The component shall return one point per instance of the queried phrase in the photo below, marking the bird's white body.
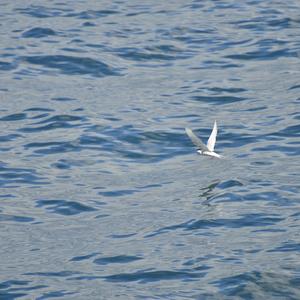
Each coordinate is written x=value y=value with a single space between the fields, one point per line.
x=209 y=153
x=207 y=150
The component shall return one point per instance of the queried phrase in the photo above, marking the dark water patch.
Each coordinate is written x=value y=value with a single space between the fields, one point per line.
x=88 y=24
x=152 y=276
x=119 y=259
x=46 y=148
x=231 y=90
x=290 y=131
x=55 y=294
x=54 y=122
x=9 y=283
x=74 y=50
x=52 y=126
x=287 y=247
x=258 y=108
x=86 y=277
x=7 y=196
x=84 y=257
x=38 y=32
x=11 y=289
x=98 y=46
x=142 y=146
x=218 y=100
x=297 y=86
x=118 y=193
x=228 y=184
x=40 y=116
x=8 y=66
x=14 y=117
x=61 y=118
x=72 y=65
x=64 y=207
x=201 y=259
x=93 y=14
x=122 y=236
x=212 y=64
x=158 y=53
x=269 y=285
x=61 y=164
x=9 y=176
x=11 y=218
x=102 y=216
x=69 y=163
x=63 y=99
x=248 y=220
x=53 y=274
x=40 y=109
x=261 y=23
x=268 y=230
x=94 y=140
x=150 y=186
x=263 y=54
x=39 y=11
x=9 y=137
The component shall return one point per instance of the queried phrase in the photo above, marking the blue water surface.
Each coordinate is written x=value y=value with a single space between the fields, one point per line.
x=102 y=193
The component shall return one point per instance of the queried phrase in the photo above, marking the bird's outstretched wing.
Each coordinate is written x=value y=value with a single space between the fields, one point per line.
x=196 y=141
x=212 y=139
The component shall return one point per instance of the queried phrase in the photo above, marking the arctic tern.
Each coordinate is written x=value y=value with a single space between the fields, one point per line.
x=203 y=149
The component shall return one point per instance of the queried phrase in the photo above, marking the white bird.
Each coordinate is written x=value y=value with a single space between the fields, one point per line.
x=203 y=149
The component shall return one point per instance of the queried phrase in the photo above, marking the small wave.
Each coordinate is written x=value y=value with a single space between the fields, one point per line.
x=158 y=53
x=13 y=289
x=118 y=193
x=265 y=284
x=119 y=259
x=53 y=274
x=92 y=14
x=8 y=66
x=54 y=122
x=64 y=207
x=14 y=117
x=151 y=276
x=219 y=100
x=12 y=218
x=249 y=220
x=39 y=11
x=38 y=32
x=15 y=176
x=264 y=55
x=84 y=257
x=287 y=247
x=72 y=65
x=9 y=137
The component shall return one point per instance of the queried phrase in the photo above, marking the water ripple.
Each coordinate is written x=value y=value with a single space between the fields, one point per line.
x=152 y=276
x=64 y=207
x=10 y=177
x=249 y=220
x=38 y=32
x=119 y=259
x=102 y=190
x=72 y=65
